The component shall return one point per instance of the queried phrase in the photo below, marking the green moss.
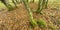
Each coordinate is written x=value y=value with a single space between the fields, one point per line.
x=10 y=8
x=33 y=23
x=41 y=23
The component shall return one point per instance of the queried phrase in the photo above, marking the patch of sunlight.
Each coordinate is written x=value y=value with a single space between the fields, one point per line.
x=1 y=5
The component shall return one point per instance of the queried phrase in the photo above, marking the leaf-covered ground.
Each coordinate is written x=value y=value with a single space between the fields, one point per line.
x=18 y=19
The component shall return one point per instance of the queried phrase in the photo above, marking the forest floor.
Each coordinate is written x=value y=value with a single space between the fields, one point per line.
x=18 y=19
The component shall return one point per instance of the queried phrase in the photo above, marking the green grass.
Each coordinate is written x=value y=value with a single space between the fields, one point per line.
x=42 y=23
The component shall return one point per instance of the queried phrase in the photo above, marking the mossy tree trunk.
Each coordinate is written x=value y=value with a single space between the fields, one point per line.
x=14 y=3
x=32 y=21
x=33 y=1
x=6 y=3
x=46 y=5
x=17 y=1
x=26 y=0
x=28 y=8
x=39 y=6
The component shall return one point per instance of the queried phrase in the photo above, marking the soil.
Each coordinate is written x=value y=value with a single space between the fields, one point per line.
x=18 y=19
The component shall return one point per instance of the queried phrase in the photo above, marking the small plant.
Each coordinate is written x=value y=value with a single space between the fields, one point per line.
x=10 y=8
x=41 y=23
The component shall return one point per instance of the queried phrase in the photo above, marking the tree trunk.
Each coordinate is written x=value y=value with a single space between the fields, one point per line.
x=33 y=1
x=46 y=4
x=27 y=1
x=39 y=7
x=6 y=4
x=32 y=21
x=14 y=3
